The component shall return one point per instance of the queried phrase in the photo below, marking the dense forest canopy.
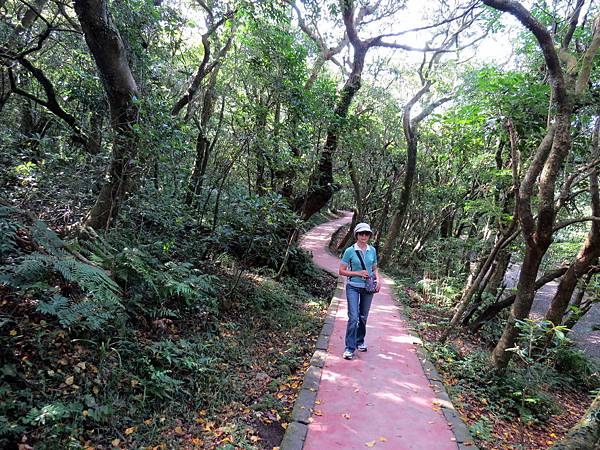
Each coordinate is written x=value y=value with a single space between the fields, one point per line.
x=158 y=157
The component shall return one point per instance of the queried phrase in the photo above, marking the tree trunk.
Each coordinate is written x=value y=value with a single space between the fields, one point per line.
x=358 y=196
x=409 y=175
x=203 y=145
x=386 y=208
x=205 y=67
x=259 y=146
x=537 y=233
x=215 y=218
x=583 y=307
x=197 y=177
x=521 y=306
x=585 y=435
x=447 y=222
x=547 y=162
x=31 y=15
x=108 y=50
x=321 y=186
x=398 y=217
x=5 y=90
x=476 y=280
x=349 y=234
x=584 y=260
x=490 y=285
x=588 y=254
x=497 y=278
x=492 y=311
x=93 y=146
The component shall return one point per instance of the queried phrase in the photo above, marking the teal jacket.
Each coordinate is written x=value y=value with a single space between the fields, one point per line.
x=350 y=258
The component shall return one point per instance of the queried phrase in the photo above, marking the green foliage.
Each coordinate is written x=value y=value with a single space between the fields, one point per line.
x=144 y=303
x=165 y=342
x=50 y=413
x=442 y=292
x=508 y=395
x=78 y=294
x=567 y=243
x=256 y=229
x=107 y=382
x=521 y=96
x=269 y=295
x=575 y=366
x=482 y=429
x=157 y=289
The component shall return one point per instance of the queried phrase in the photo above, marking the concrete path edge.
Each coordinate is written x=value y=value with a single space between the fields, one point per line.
x=464 y=439
x=297 y=428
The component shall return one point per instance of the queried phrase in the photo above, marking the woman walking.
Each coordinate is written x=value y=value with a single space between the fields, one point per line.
x=359 y=264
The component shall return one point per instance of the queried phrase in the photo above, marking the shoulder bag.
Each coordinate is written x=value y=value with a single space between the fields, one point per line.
x=371 y=281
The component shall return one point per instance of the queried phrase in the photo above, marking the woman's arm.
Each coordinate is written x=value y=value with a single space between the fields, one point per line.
x=376 y=272
x=349 y=273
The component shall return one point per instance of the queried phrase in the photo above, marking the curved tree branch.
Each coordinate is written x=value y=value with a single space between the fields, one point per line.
x=572 y=25
x=588 y=59
x=544 y=39
x=204 y=69
x=51 y=103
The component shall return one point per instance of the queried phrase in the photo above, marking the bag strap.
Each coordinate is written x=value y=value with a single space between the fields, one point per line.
x=362 y=263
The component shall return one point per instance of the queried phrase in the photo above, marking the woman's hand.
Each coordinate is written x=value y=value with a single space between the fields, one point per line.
x=363 y=274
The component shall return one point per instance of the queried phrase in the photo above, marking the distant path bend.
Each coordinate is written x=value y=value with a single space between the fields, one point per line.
x=585 y=333
x=381 y=399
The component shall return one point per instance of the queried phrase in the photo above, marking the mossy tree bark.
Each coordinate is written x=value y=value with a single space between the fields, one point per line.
x=110 y=55
x=585 y=435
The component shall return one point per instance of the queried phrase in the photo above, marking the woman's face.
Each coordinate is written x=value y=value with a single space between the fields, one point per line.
x=363 y=237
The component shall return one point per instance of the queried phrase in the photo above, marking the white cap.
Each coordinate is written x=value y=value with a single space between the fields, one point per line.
x=362 y=227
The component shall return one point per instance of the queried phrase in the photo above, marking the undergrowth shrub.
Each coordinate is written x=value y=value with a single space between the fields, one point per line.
x=269 y=295
x=100 y=334
x=257 y=229
x=164 y=289
x=442 y=292
x=305 y=272
x=575 y=367
x=38 y=265
x=510 y=395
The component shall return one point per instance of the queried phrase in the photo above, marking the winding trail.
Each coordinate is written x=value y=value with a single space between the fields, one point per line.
x=383 y=398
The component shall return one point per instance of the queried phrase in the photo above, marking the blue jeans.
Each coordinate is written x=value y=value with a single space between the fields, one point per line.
x=359 y=303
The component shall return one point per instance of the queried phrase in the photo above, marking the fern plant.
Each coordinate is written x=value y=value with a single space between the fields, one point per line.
x=94 y=298
x=8 y=232
x=162 y=289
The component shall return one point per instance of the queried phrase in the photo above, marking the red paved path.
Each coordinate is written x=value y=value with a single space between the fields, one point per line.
x=384 y=392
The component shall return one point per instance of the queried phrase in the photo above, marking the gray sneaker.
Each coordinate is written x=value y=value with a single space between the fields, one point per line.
x=348 y=354
x=362 y=348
